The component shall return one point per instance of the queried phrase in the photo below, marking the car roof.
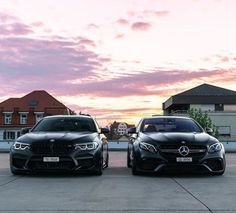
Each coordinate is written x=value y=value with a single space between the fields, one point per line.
x=68 y=116
x=165 y=116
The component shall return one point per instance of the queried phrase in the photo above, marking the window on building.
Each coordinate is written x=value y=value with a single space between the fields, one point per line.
x=224 y=131
x=18 y=134
x=8 y=118
x=9 y=135
x=219 y=107
x=38 y=116
x=23 y=118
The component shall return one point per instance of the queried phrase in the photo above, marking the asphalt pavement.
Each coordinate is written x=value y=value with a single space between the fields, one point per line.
x=118 y=191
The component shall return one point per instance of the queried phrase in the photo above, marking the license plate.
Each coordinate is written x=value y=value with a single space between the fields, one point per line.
x=183 y=159
x=50 y=159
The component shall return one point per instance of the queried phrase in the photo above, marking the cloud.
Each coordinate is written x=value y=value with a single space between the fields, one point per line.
x=158 y=83
x=15 y=29
x=12 y=26
x=4 y=18
x=71 y=66
x=92 y=26
x=162 y=13
x=141 y=26
x=43 y=63
x=47 y=63
x=157 y=13
x=106 y=116
x=132 y=13
x=96 y=110
x=37 y=24
x=122 y=21
x=119 y=36
x=86 y=42
x=229 y=58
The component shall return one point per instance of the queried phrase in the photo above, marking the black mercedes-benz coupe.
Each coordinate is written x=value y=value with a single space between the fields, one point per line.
x=61 y=143
x=168 y=143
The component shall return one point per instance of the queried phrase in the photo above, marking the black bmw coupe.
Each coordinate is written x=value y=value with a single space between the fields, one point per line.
x=61 y=143
x=167 y=143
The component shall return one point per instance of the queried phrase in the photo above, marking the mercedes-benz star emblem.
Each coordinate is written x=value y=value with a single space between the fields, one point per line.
x=52 y=140
x=183 y=150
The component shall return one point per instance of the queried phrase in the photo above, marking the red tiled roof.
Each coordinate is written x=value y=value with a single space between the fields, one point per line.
x=39 y=100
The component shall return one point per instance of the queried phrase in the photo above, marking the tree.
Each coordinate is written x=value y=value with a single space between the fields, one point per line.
x=203 y=119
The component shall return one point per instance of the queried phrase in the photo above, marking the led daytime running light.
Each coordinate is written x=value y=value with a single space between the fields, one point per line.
x=147 y=147
x=215 y=147
x=86 y=146
x=21 y=146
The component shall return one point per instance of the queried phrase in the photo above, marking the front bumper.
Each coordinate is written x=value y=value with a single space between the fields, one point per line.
x=26 y=161
x=145 y=161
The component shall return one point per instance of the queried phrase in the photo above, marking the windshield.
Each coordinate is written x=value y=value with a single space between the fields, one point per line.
x=65 y=125
x=170 y=125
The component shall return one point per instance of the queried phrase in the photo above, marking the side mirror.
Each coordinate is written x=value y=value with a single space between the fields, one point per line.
x=209 y=130
x=25 y=130
x=132 y=130
x=105 y=130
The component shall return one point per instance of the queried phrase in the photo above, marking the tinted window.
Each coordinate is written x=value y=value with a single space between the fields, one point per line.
x=65 y=125
x=170 y=125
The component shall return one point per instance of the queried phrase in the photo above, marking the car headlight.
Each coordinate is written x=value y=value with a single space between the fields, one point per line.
x=147 y=147
x=20 y=146
x=87 y=146
x=215 y=147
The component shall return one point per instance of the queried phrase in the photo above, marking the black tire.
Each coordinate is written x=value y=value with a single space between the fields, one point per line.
x=134 y=169
x=128 y=159
x=14 y=172
x=99 y=171
x=107 y=161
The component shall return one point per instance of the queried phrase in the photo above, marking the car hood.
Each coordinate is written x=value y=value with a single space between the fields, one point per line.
x=58 y=136
x=177 y=137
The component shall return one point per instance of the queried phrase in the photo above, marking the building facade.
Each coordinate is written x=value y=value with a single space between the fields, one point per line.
x=119 y=130
x=219 y=103
x=17 y=113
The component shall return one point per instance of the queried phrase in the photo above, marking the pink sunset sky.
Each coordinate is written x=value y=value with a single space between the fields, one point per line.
x=116 y=59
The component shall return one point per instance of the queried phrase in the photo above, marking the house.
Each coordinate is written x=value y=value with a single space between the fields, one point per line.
x=17 y=113
x=118 y=129
x=219 y=103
